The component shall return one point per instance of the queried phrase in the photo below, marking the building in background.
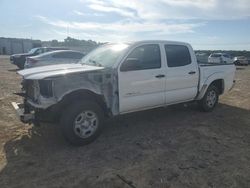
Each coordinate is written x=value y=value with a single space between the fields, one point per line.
x=84 y=46
x=10 y=46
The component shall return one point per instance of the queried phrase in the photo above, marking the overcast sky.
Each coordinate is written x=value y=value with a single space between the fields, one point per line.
x=206 y=24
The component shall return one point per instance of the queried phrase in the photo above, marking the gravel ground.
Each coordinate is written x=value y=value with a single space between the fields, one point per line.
x=176 y=146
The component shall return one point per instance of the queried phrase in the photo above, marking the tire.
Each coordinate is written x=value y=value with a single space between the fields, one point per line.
x=78 y=123
x=210 y=99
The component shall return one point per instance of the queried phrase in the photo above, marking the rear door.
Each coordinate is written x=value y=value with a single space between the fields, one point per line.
x=182 y=74
x=142 y=83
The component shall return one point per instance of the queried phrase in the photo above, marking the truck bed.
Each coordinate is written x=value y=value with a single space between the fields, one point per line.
x=214 y=71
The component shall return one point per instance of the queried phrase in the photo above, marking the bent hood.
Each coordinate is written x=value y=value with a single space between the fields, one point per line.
x=56 y=70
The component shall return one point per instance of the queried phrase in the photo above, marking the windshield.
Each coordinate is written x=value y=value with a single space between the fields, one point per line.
x=32 y=50
x=104 y=56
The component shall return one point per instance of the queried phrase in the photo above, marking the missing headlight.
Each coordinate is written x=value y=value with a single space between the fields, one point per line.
x=46 y=88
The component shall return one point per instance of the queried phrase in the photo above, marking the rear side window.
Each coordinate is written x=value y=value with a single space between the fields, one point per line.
x=68 y=55
x=148 y=57
x=177 y=55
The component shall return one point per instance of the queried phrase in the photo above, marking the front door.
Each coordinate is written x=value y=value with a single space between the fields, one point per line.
x=142 y=79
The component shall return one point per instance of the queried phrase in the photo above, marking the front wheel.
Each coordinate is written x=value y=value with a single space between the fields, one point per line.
x=210 y=99
x=82 y=123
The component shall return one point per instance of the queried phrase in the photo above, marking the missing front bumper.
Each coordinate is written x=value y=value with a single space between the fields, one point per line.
x=24 y=117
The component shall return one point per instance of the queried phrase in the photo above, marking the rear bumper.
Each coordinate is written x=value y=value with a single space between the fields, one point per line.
x=20 y=112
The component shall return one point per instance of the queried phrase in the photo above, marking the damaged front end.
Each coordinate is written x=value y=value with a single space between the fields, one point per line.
x=25 y=115
x=36 y=95
x=48 y=90
x=23 y=110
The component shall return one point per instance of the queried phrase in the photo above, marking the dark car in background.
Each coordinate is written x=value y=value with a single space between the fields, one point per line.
x=19 y=59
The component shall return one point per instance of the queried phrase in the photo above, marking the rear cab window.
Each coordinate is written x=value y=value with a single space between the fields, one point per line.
x=177 y=55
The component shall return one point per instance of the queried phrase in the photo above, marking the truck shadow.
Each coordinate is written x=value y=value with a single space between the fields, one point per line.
x=161 y=142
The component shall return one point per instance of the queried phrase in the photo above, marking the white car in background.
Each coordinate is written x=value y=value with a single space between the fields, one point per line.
x=52 y=58
x=220 y=58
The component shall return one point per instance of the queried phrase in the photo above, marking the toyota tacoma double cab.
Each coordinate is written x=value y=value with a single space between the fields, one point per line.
x=116 y=79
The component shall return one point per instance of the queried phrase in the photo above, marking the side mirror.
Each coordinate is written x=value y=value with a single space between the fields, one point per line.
x=131 y=64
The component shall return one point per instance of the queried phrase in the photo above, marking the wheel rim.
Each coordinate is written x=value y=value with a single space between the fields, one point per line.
x=85 y=124
x=211 y=98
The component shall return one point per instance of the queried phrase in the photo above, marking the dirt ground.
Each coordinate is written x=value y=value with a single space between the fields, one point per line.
x=173 y=147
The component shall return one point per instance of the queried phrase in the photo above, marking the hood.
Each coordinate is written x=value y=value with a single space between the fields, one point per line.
x=56 y=70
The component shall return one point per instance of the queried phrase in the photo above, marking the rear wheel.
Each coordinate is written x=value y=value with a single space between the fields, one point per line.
x=82 y=123
x=210 y=99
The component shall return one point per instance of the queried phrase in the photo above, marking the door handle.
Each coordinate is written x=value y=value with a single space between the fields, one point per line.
x=192 y=72
x=160 y=76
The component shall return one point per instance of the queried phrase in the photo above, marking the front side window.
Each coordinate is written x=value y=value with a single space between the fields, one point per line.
x=143 y=57
x=177 y=55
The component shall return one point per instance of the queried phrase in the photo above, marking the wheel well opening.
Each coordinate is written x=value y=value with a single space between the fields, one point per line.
x=82 y=95
x=219 y=84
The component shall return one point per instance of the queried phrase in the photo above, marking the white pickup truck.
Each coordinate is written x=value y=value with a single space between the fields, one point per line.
x=116 y=79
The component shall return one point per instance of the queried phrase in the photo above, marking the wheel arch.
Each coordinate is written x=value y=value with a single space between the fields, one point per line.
x=217 y=80
x=80 y=95
x=219 y=84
